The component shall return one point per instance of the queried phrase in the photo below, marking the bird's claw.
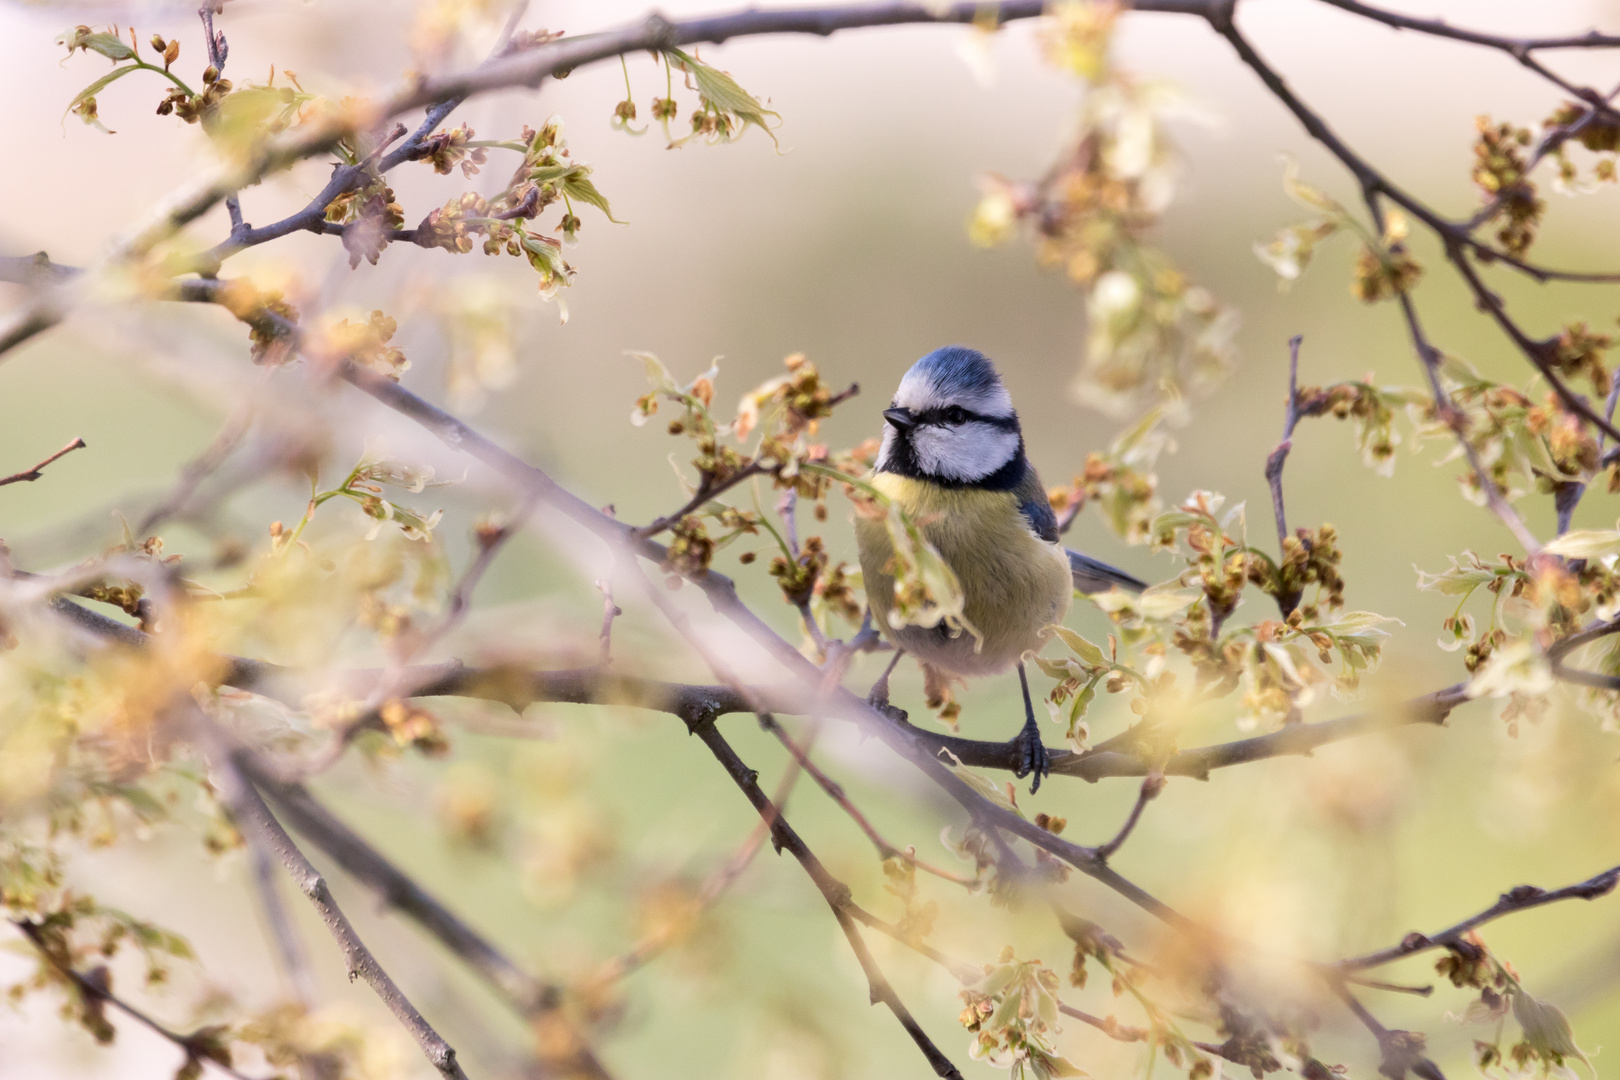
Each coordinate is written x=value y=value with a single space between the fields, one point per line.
x=881 y=704
x=1032 y=757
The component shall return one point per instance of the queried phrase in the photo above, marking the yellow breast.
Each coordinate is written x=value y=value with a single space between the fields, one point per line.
x=1013 y=582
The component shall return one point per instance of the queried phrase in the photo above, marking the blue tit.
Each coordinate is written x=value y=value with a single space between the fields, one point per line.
x=953 y=460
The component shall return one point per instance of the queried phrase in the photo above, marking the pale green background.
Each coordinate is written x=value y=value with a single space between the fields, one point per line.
x=849 y=246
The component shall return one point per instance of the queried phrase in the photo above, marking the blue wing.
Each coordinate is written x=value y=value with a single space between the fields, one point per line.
x=1090 y=575
x=1036 y=508
x=1093 y=576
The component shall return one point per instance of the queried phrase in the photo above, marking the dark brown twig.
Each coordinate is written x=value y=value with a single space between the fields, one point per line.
x=1274 y=463
x=835 y=791
x=1152 y=784
x=1515 y=47
x=260 y=827
x=519 y=688
x=95 y=989
x=36 y=472
x=1520 y=898
x=1400 y=1051
x=1454 y=236
x=289 y=949
x=704 y=494
x=835 y=892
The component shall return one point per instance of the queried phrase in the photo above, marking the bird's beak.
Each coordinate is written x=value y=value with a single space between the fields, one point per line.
x=900 y=418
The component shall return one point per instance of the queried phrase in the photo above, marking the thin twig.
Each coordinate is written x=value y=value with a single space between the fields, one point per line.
x=261 y=827
x=289 y=949
x=519 y=688
x=1520 y=898
x=204 y=464
x=1513 y=46
x=218 y=50
x=35 y=472
x=610 y=611
x=1567 y=496
x=96 y=989
x=1152 y=784
x=1274 y=463
x=1401 y=1052
x=1449 y=414
x=1454 y=236
x=835 y=892
x=1107 y=1025
x=703 y=495
x=715 y=886
x=396 y=682
x=1426 y=990
x=530 y=997
x=835 y=791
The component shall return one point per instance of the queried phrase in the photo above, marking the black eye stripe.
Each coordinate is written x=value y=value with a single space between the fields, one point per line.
x=939 y=416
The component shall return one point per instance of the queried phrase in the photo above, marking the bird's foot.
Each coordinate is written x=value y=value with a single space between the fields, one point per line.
x=1031 y=756
x=880 y=702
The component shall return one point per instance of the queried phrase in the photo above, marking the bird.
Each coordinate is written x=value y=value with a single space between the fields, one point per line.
x=952 y=459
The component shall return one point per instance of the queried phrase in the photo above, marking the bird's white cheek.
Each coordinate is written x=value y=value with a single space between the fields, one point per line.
x=969 y=452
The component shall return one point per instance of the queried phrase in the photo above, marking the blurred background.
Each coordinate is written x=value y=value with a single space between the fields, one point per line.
x=846 y=243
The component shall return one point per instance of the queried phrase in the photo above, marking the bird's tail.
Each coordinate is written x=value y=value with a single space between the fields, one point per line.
x=1091 y=576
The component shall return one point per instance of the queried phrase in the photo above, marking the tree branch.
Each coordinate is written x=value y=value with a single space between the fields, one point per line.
x=95 y=988
x=702 y=496
x=1152 y=784
x=835 y=792
x=835 y=892
x=519 y=687
x=289 y=949
x=261 y=827
x=1274 y=463
x=1515 y=47
x=1455 y=237
x=37 y=471
x=1519 y=898
x=443 y=93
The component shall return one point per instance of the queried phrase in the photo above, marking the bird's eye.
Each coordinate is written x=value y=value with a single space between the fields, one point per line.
x=955 y=415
